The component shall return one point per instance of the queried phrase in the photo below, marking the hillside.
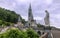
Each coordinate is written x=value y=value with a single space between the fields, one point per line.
x=7 y=16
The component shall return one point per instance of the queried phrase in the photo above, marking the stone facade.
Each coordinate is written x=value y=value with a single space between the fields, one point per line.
x=31 y=20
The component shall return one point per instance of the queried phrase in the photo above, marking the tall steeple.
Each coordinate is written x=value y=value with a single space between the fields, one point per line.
x=30 y=15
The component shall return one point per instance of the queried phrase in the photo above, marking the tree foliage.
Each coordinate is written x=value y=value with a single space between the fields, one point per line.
x=9 y=16
x=32 y=34
x=16 y=33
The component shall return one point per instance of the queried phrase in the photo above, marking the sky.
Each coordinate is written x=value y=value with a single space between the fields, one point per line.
x=38 y=9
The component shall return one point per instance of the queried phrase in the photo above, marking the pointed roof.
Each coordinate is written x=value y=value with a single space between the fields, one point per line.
x=19 y=20
x=30 y=12
x=30 y=7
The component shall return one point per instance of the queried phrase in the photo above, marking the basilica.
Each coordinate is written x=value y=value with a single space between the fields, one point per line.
x=33 y=24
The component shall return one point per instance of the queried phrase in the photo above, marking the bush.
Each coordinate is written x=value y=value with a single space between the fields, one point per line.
x=0 y=22
x=16 y=33
x=4 y=23
x=32 y=34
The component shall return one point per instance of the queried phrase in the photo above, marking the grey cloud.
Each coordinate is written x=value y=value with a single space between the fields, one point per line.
x=38 y=8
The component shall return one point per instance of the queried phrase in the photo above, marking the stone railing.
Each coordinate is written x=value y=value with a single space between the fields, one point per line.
x=44 y=35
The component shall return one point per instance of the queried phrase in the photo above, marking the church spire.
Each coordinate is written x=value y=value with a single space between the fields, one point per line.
x=30 y=15
x=30 y=7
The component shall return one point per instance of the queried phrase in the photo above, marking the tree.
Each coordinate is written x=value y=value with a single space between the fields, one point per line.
x=10 y=16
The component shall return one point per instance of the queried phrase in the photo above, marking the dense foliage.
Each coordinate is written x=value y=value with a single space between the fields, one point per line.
x=9 y=17
x=31 y=33
x=4 y=23
x=15 y=33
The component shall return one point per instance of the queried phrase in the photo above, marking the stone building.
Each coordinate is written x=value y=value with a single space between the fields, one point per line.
x=19 y=24
x=31 y=21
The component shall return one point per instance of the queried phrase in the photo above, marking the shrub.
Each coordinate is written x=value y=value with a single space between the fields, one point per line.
x=32 y=34
x=16 y=33
x=0 y=22
x=13 y=33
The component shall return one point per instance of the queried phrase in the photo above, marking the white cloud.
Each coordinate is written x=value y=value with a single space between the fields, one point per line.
x=38 y=18
x=55 y=20
x=49 y=1
x=25 y=17
x=38 y=6
x=57 y=16
x=22 y=1
x=7 y=4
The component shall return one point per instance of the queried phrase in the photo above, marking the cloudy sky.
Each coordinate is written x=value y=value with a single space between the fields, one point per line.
x=38 y=9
